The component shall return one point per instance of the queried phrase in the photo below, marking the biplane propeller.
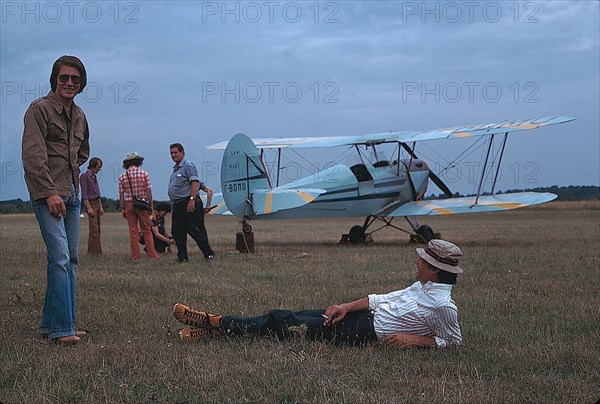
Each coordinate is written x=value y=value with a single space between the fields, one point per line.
x=378 y=190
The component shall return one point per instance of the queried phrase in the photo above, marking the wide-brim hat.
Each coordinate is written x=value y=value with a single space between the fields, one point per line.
x=442 y=255
x=133 y=156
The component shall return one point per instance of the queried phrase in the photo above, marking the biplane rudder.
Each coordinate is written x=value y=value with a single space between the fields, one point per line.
x=242 y=173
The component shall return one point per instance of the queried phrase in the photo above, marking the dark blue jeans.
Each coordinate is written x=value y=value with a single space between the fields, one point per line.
x=355 y=329
x=184 y=223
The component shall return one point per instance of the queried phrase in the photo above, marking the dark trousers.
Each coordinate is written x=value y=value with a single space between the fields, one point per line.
x=159 y=245
x=355 y=329
x=184 y=223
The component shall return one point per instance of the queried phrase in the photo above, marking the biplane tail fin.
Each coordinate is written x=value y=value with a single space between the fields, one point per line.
x=242 y=173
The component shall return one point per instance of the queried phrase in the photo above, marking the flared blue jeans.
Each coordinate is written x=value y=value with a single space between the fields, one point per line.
x=61 y=237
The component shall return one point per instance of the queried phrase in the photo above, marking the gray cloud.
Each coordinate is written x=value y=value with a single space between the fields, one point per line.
x=187 y=71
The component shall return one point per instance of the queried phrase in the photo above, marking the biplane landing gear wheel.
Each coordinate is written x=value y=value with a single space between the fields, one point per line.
x=357 y=235
x=426 y=232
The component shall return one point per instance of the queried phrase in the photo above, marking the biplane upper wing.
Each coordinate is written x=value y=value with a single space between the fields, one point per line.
x=404 y=136
x=324 y=141
x=485 y=203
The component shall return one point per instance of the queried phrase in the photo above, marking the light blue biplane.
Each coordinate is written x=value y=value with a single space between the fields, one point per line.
x=373 y=187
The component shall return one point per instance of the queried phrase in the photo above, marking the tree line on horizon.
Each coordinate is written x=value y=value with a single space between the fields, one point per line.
x=568 y=193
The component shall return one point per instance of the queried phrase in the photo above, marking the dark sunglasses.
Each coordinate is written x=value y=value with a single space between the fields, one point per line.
x=65 y=77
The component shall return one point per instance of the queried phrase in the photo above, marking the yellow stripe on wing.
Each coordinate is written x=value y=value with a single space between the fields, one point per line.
x=268 y=202
x=305 y=196
x=462 y=134
x=507 y=205
x=436 y=208
x=525 y=125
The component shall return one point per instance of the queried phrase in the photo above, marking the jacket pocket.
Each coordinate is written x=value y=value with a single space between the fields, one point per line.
x=56 y=132
x=78 y=138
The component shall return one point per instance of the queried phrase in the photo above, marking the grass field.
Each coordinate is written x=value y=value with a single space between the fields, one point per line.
x=529 y=309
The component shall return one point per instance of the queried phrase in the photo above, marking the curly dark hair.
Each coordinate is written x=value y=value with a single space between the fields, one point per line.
x=163 y=206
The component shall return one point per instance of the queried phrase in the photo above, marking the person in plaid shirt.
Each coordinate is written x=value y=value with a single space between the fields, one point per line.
x=135 y=182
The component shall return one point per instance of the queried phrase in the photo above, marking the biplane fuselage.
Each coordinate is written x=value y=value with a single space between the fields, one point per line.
x=358 y=191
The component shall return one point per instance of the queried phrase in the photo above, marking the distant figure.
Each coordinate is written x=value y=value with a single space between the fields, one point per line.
x=162 y=240
x=135 y=182
x=90 y=194
x=422 y=315
x=55 y=145
x=188 y=212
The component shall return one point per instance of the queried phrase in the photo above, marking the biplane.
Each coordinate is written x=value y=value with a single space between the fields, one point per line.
x=373 y=187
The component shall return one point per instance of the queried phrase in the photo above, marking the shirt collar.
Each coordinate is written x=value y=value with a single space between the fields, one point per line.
x=436 y=286
x=176 y=166
x=60 y=107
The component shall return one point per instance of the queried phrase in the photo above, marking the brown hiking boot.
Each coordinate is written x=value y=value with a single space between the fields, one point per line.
x=196 y=318
x=190 y=334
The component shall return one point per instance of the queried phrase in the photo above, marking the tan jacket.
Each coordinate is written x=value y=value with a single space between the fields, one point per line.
x=54 y=147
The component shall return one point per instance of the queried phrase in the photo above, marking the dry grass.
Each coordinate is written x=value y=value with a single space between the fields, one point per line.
x=528 y=306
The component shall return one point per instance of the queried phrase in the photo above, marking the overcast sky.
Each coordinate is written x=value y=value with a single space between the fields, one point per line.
x=199 y=72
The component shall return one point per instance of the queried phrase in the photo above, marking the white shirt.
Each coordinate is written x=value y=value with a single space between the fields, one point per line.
x=420 y=309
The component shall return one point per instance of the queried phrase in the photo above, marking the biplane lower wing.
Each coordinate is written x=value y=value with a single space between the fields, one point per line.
x=273 y=200
x=485 y=203
x=268 y=201
x=218 y=206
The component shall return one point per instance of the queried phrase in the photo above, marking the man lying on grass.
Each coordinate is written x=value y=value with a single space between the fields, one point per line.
x=422 y=315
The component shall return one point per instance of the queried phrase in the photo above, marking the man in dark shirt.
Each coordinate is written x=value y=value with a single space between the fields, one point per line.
x=90 y=194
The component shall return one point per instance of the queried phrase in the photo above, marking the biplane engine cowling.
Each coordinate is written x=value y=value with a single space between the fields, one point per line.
x=419 y=176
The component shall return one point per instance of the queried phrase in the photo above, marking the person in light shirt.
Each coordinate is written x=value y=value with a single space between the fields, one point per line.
x=422 y=315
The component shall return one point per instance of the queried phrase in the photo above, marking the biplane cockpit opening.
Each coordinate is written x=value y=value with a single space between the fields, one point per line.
x=381 y=163
x=361 y=173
